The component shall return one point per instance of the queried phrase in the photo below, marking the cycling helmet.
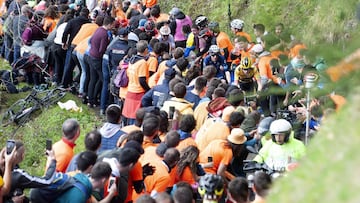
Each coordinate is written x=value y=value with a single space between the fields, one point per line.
x=201 y=21
x=204 y=32
x=211 y=187
x=246 y=63
x=280 y=126
x=214 y=26
x=237 y=24
x=214 y=49
x=149 y=25
x=165 y=30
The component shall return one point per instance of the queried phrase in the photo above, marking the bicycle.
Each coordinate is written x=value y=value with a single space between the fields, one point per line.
x=20 y=112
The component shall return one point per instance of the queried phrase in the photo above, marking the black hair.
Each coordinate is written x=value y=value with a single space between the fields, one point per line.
x=236 y=118
x=92 y=140
x=136 y=135
x=151 y=125
x=101 y=170
x=239 y=189
x=113 y=113
x=180 y=90
x=85 y=160
x=187 y=123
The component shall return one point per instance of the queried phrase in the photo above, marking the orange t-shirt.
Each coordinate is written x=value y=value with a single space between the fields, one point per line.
x=223 y=42
x=135 y=71
x=149 y=156
x=185 y=143
x=220 y=153
x=217 y=130
x=134 y=175
x=163 y=17
x=186 y=176
x=155 y=78
x=85 y=31
x=244 y=34
x=264 y=67
x=50 y=24
x=160 y=180
x=149 y=3
x=294 y=51
x=153 y=63
x=200 y=135
x=82 y=46
x=63 y=155
x=201 y=114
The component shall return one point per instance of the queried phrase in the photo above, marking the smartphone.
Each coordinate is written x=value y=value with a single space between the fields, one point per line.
x=171 y=112
x=210 y=159
x=10 y=144
x=112 y=180
x=48 y=144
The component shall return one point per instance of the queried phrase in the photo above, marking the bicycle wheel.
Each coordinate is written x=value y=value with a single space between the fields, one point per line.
x=53 y=96
x=12 y=113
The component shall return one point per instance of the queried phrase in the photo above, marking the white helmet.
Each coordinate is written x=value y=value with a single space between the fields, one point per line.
x=201 y=21
x=165 y=30
x=214 y=49
x=237 y=24
x=280 y=126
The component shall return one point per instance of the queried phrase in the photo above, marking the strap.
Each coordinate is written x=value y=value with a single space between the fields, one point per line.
x=82 y=187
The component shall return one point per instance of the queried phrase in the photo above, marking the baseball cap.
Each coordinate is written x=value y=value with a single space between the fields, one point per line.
x=123 y=32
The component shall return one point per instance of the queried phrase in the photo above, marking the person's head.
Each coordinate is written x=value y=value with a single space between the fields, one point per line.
x=200 y=83
x=150 y=126
x=237 y=25
x=84 y=12
x=165 y=32
x=182 y=63
x=279 y=28
x=163 y=197
x=145 y=198
x=280 y=131
x=214 y=28
x=178 y=52
x=71 y=129
x=136 y=135
x=236 y=139
x=209 y=72
x=246 y=64
x=214 y=52
x=215 y=82
x=93 y=140
x=195 y=29
x=100 y=172
x=236 y=118
x=127 y=159
x=187 y=123
x=201 y=21
x=51 y=12
x=211 y=187
x=188 y=157
x=180 y=90
x=242 y=42
x=218 y=92
x=174 y=82
x=26 y=10
x=134 y=145
x=171 y=157
x=142 y=47
x=86 y=160
x=139 y=116
x=262 y=183
x=183 y=194
x=172 y=138
x=264 y=125
x=236 y=97
x=113 y=113
x=155 y=11
x=259 y=30
x=238 y=190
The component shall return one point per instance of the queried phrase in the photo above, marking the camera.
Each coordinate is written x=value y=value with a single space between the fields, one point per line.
x=10 y=144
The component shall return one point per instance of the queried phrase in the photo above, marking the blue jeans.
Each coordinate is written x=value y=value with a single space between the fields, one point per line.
x=68 y=68
x=8 y=42
x=16 y=51
x=105 y=85
x=83 y=72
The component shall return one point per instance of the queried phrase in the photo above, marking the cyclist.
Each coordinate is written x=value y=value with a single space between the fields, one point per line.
x=211 y=188
x=283 y=149
x=237 y=26
x=246 y=75
x=216 y=59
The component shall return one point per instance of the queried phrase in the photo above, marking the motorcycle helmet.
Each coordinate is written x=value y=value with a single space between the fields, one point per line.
x=280 y=126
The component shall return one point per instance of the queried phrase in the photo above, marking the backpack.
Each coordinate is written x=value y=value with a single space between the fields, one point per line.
x=121 y=78
x=62 y=182
x=26 y=36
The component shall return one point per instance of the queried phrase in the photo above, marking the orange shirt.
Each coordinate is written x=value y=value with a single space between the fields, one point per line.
x=148 y=143
x=160 y=180
x=244 y=34
x=200 y=136
x=264 y=67
x=155 y=78
x=135 y=71
x=217 y=130
x=64 y=152
x=49 y=24
x=163 y=17
x=220 y=153
x=149 y=3
x=186 y=176
x=134 y=175
x=153 y=63
x=149 y=156
x=223 y=42
x=294 y=51
x=82 y=46
x=185 y=143
x=85 y=31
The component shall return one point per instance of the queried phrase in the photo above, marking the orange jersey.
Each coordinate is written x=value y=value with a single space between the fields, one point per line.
x=265 y=69
x=85 y=31
x=134 y=175
x=135 y=71
x=186 y=176
x=223 y=42
x=244 y=34
x=294 y=51
x=185 y=143
x=220 y=153
x=160 y=180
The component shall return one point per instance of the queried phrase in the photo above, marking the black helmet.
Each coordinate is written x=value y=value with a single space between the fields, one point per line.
x=211 y=186
x=214 y=26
